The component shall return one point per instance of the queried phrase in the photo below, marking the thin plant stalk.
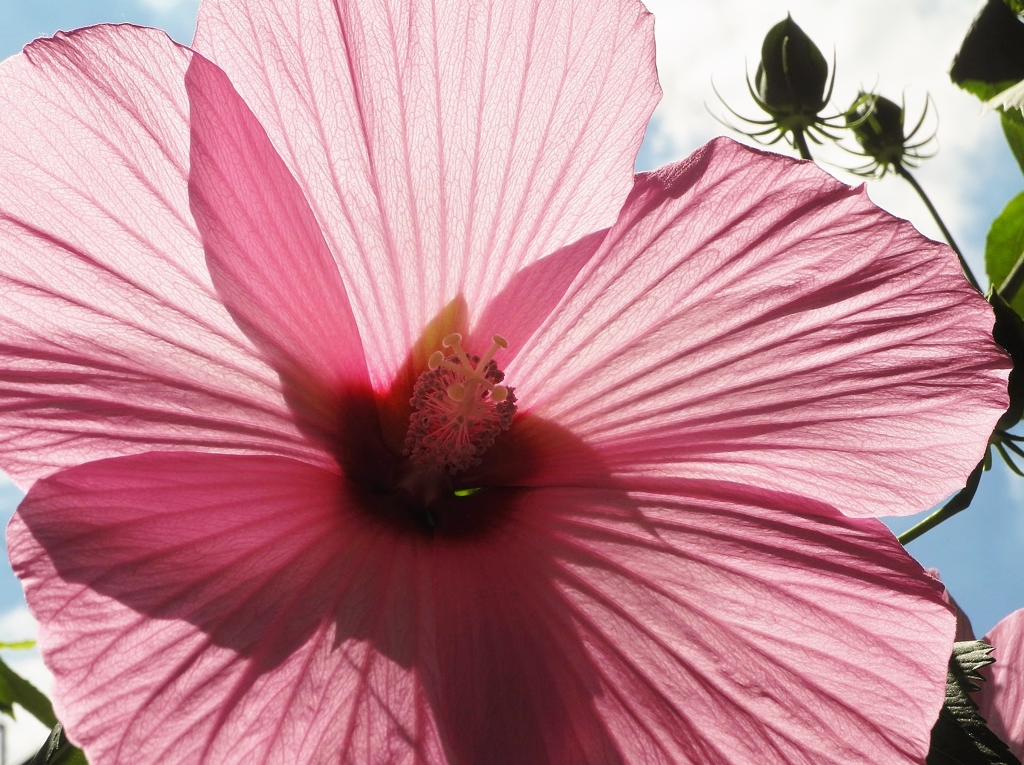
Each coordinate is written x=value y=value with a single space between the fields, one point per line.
x=904 y=173
x=1013 y=282
x=959 y=501
x=801 y=144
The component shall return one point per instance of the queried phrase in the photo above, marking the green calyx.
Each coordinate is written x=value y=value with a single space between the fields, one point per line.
x=792 y=80
x=877 y=124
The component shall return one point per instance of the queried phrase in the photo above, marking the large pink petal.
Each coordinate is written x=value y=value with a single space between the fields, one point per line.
x=751 y=319
x=443 y=145
x=244 y=609
x=112 y=337
x=185 y=606
x=266 y=254
x=738 y=625
x=1001 y=699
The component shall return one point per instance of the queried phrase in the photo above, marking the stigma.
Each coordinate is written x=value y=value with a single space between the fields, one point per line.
x=458 y=408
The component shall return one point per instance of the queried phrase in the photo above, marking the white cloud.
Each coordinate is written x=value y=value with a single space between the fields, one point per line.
x=895 y=46
x=25 y=734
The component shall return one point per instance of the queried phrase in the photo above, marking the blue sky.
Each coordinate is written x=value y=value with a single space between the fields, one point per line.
x=978 y=553
x=24 y=20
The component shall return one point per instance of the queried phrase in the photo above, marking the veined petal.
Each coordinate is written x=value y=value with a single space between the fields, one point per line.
x=266 y=254
x=528 y=299
x=186 y=606
x=112 y=337
x=751 y=319
x=735 y=625
x=964 y=629
x=189 y=602
x=1001 y=698
x=443 y=145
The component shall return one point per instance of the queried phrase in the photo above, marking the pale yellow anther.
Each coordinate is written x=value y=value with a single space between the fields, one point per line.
x=473 y=375
x=458 y=407
x=499 y=342
x=454 y=341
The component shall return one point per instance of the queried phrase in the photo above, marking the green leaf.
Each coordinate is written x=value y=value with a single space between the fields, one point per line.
x=968 y=657
x=986 y=91
x=58 y=750
x=1003 y=248
x=1013 y=129
x=21 y=691
x=992 y=53
x=960 y=735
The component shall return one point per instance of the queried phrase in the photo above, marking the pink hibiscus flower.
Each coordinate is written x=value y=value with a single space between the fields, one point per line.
x=226 y=272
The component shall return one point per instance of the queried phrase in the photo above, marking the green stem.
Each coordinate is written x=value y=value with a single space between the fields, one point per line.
x=959 y=501
x=905 y=174
x=1013 y=282
x=801 y=144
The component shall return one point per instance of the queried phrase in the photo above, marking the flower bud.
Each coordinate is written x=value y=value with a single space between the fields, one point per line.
x=792 y=77
x=877 y=124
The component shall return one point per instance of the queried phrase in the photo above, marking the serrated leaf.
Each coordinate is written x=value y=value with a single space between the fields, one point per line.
x=27 y=695
x=58 y=750
x=960 y=735
x=992 y=53
x=1013 y=129
x=968 y=657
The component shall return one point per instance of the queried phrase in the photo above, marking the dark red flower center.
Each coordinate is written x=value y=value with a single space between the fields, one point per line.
x=440 y=483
